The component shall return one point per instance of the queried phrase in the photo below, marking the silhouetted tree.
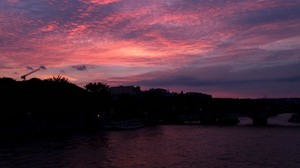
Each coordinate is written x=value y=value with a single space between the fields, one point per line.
x=100 y=99
x=58 y=79
x=98 y=88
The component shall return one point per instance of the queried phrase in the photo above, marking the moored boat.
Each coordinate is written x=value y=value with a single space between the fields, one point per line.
x=124 y=125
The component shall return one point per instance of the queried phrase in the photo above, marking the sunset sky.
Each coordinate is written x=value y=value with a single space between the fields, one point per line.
x=226 y=48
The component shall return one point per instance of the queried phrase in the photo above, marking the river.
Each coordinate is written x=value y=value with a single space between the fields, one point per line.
x=174 y=146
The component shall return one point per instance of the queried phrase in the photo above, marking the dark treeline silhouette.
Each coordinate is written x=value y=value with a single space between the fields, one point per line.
x=45 y=105
x=57 y=104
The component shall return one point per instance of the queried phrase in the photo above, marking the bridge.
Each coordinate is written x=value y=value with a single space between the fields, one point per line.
x=259 y=110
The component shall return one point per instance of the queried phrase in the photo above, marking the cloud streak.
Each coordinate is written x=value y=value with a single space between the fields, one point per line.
x=151 y=36
x=80 y=67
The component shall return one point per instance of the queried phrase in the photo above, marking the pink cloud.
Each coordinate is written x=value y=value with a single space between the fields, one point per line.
x=49 y=27
x=77 y=30
x=12 y=2
x=101 y=2
x=160 y=35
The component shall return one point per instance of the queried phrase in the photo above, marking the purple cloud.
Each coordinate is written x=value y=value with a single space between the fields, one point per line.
x=212 y=45
x=80 y=67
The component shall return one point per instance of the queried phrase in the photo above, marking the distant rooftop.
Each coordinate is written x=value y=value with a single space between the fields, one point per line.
x=129 y=90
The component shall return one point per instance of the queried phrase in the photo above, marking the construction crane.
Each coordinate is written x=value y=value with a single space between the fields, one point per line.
x=31 y=72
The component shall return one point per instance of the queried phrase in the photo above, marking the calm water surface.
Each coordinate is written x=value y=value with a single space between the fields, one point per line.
x=161 y=146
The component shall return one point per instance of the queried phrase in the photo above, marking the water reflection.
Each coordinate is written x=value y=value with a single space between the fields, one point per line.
x=162 y=146
x=282 y=120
